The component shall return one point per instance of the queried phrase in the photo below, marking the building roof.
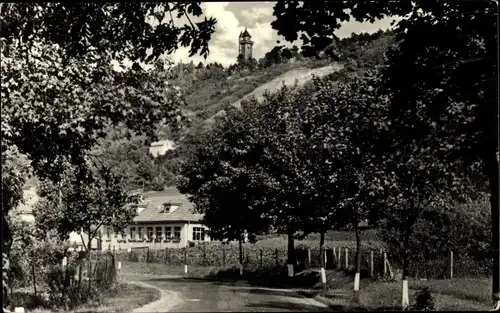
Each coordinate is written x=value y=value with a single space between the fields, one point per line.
x=245 y=34
x=154 y=210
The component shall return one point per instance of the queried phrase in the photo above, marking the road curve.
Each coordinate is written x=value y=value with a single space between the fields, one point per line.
x=190 y=295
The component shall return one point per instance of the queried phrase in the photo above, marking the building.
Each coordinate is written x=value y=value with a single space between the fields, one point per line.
x=246 y=45
x=164 y=220
x=161 y=147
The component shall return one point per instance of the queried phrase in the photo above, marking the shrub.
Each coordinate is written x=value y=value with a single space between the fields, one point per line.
x=38 y=264
x=424 y=301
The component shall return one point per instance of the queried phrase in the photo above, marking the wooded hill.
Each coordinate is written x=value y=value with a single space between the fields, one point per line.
x=210 y=89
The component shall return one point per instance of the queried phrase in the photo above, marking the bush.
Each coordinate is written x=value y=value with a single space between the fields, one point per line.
x=38 y=264
x=424 y=301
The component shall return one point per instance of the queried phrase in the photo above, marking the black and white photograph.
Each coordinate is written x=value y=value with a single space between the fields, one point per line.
x=266 y=156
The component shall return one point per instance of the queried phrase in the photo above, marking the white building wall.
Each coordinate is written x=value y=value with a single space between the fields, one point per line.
x=119 y=243
x=161 y=147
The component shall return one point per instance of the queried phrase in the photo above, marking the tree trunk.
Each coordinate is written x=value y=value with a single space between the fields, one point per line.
x=405 y=300
x=493 y=177
x=6 y=245
x=322 y=258
x=357 y=275
x=89 y=246
x=290 y=255
x=240 y=242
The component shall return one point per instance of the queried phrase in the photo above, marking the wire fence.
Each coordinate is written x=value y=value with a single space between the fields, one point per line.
x=75 y=279
x=375 y=263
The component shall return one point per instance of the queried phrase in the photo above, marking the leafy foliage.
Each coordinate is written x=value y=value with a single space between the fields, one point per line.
x=122 y=29
x=424 y=301
x=87 y=204
x=441 y=89
x=219 y=179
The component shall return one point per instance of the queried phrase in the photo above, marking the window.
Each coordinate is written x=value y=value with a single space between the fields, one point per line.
x=132 y=233
x=139 y=232
x=168 y=233
x=199 y=233
x=159 y=233
x=150 y=233
x=177 y=234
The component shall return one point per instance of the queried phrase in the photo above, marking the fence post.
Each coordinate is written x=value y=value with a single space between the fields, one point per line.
x=204 y=254
x=223 y=255
x=105 y=271
x=371 y=263
x=451 y=264
x=276 y=255
x=79 y=276
x=147 y=255
x=185 y=260
x=326 y=258
x=309 y=257
x=34 y=275
x=339 y=261
x=261 y=257
x=346 y=258
x=385 y=263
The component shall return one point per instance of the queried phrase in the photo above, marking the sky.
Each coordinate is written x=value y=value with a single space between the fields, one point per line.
x=233 y=17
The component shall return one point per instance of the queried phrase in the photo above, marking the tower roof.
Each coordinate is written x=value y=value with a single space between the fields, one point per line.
x=245 y=34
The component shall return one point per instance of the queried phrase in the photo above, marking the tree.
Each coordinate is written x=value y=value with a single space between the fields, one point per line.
x=345 y=119
x=15 y=171
x=273 y=56
x=123 y=29
x=285 y=162
x=59 y=92
x=87 y=204
x=461 y=105
x=219 y=179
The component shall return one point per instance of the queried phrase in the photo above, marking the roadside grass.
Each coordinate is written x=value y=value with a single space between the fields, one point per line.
x=460 y=294
x=123 y=298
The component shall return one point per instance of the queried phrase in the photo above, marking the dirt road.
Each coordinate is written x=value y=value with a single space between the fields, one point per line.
x=189 y=295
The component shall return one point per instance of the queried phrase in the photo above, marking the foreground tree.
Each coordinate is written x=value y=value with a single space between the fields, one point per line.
x=219 y=179
x=58 y=90
x=286 y=162
x=462 y=106
x=346 y=120
x=122 y=29
x=85 y=202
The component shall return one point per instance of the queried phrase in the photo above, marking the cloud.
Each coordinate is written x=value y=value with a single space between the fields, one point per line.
x=255 y=15
x=232 y=18
x=224 y=43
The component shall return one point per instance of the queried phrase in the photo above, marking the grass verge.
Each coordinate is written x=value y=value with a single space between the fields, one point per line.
x=124 y=298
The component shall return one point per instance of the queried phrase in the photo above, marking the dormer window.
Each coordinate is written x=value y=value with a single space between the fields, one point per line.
x=169 y=207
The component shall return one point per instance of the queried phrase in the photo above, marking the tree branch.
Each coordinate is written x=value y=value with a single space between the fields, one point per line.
x=171 y=17
x=187 y=16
